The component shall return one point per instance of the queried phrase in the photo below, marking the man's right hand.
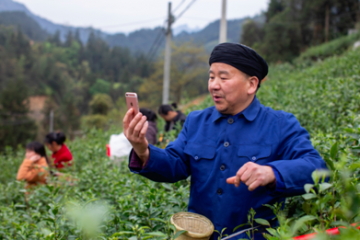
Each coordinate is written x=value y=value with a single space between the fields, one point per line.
x=135 y=128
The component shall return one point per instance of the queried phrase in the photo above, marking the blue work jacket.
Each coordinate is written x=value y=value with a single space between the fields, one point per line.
x=212 y=147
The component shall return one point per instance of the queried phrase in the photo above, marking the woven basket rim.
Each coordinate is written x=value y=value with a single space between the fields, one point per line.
x=192 y=215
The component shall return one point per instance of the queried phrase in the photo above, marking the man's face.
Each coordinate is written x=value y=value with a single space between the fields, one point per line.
x=166 y=117
x=231 y=90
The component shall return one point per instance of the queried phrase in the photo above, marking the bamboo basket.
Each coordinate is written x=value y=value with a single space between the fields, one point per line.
x=197 y=226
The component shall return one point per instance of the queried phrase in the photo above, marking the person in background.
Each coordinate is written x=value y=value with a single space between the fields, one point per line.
x=151 y=134
x=60 y=152
x=171 y=116
x=34 y=167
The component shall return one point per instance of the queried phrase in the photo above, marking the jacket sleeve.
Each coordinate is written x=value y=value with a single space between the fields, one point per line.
x=167 y=165
x=298 y=158
x=29 y=171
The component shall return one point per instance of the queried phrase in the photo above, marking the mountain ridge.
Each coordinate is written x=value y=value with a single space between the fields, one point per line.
x=141 y=40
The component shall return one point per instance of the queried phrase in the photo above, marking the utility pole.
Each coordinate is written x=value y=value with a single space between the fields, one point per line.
x=167 y=61
x=51 y=127
x=223 y=27
x=327 y=19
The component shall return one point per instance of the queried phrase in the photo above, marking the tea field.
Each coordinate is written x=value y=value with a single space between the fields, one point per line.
x=103 y=200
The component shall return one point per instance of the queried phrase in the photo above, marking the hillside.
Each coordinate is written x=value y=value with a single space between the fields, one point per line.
x=48 y=26
x=209 y=36
x=120 y=205
x=137 y=41
x=143 y=39
x=27 y=25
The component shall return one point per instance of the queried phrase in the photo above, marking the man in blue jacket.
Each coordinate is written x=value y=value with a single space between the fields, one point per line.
x=239 y=153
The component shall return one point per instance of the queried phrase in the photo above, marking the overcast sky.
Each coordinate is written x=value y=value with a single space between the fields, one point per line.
x=126 y=16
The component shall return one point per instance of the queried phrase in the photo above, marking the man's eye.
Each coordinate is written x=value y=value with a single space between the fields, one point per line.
x=223 y=78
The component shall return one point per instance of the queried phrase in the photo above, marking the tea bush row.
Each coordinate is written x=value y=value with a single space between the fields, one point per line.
x=101 y=199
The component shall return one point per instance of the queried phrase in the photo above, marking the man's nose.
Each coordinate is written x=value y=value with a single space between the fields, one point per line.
x=215 y=84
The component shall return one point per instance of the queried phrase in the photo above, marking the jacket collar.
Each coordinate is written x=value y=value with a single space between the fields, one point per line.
x=252 y=110
x=249 y=113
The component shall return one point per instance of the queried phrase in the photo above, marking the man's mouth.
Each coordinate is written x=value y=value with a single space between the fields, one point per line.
x=217 y=98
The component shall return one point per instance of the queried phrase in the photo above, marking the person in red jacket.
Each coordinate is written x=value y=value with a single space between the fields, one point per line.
x=60 y=152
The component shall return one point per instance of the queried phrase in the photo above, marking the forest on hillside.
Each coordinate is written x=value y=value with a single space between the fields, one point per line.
x=292 y=26
x=144 y=40
x=78 y=79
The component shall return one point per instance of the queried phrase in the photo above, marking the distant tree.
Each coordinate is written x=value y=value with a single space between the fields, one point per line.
x=28 y=26
x=188 y=76
x=55 y=39
x=16 y=128
x=294 y=25
x=96 y=53
x=69 y=39
x=275 y=7
x=77 y=36
x=96 y=120
x=252 y=33
x=282 y=39
x=100 y=104
x=69 y=74
x=100 y=86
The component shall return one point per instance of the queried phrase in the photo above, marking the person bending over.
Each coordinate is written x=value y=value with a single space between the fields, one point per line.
x=61 y=154
x=171 y=116
x=34 y=168
x=151 y=134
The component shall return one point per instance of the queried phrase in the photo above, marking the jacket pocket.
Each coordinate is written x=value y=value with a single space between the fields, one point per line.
x=201 y=160
x=254 y=152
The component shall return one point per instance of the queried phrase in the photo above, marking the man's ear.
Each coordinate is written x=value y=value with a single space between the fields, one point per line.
x=254 y=82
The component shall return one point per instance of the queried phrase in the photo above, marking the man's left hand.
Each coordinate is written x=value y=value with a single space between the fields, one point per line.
x=253 y=175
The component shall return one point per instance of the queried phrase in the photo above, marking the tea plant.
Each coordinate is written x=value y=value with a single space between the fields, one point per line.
x=101 y=199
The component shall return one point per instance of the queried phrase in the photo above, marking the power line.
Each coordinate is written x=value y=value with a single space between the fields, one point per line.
x=186 y=8
x=157 y=47
x=202 y=19
x=178 y=6
x=158 y=40
x=156 y=44
x=131 y=23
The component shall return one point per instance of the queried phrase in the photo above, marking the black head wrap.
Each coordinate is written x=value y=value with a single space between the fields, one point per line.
x=241 y=57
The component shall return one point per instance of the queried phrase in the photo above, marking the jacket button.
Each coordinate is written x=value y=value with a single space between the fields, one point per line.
x=253 y=158
x=219 y=191
x=222 y=167
x=196 y=157
x=230 y=121
x=226 y=144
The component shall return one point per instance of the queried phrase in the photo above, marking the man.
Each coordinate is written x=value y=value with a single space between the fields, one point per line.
x=240 y=154
x=170 y=116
